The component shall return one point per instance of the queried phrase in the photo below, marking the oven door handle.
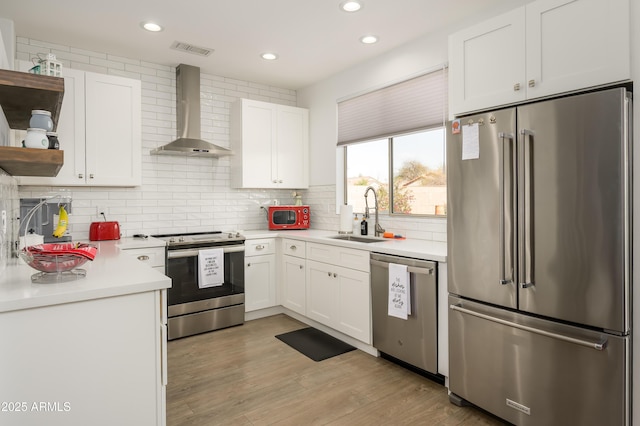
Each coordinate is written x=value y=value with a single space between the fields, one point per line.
x=175 y=254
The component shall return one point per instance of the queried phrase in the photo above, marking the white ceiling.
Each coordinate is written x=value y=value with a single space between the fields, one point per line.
x=313 y=38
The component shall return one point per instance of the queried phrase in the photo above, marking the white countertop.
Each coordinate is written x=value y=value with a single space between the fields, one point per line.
x=420 y=249
x=111 y=273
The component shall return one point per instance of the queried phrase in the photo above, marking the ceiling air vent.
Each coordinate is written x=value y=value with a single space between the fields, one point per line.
x=190 y=48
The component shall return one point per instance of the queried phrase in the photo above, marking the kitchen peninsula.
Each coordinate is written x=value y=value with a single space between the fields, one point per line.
x=90 y=351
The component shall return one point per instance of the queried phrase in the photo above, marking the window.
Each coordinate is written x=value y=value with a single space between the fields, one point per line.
x=417 y=163
x=394 y=141
x=367 y=165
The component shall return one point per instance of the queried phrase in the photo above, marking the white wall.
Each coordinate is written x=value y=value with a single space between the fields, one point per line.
x=321 y=98
x=325 y=171
x=423 y=54
x=420 y=55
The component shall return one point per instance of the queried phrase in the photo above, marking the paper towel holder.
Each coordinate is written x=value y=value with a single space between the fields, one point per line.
x=346 y=219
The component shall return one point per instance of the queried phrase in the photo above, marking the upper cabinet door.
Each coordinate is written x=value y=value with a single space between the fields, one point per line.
x=259 y=167
x=270 y=144
x=293 y=142
x=113 y=130
x=574 y=44
x=487 y=63
x=545 y=48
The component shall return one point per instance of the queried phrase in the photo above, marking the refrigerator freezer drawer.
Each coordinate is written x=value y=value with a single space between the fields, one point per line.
x=530 y=371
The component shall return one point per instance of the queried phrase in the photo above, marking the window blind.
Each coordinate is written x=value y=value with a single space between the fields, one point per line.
x=414 y=104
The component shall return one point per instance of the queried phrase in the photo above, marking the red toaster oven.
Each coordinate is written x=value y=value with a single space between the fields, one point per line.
x=289 y=217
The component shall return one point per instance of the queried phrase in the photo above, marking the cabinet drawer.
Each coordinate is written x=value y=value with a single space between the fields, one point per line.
x=340 y=256
x=294 y=248
x=259 y=247
x=152 y=256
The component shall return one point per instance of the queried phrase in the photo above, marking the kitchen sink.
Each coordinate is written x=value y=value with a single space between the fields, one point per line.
x=359 y=239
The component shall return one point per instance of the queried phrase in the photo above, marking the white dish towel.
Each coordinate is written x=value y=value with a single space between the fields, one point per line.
x=399 y=291
x=211 y=268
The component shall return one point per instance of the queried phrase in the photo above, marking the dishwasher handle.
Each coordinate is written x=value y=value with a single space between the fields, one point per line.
x=429 y=270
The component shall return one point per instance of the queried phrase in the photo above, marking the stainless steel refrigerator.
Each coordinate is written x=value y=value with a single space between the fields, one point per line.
x=539 y=265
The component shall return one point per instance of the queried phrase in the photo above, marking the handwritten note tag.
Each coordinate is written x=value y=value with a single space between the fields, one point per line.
x=210 y=268
x=470 y=142
x=399 y=291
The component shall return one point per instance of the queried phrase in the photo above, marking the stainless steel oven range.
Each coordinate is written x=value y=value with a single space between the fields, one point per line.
x=194 y=308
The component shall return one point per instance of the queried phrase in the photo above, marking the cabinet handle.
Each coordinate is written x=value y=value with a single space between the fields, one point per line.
x=328 y=274
x=274 y=181
x=259 y=247
x=335 y=275
x=532 y=83
x=91 y=176
x=516 y=87
x=280 y=181
x=294 y=248
x=248 y=265
x=80 y=176
x=300 y=266
x=143 y=258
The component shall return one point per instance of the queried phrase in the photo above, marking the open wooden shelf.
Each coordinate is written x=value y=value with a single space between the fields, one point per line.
x=31 y=162
x=21 y=92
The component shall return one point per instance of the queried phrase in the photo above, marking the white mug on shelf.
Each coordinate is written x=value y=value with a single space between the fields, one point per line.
x=36 y=138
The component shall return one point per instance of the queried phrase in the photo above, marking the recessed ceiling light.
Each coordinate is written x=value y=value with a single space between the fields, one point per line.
x=369 y=39
x=151 y=26
x=351 y=6
x=269 y=56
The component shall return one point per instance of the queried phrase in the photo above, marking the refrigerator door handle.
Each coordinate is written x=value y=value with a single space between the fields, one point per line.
x=599 y=346
x=505 y=277
x=526 y=237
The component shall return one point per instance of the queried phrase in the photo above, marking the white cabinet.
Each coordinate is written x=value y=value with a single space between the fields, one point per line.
x=322 y=293
x=338 y=293
x=544 y=48
x=260 y=274
x=113 y=130
x=99 y=130
x=270 y=144
x=487 y=63
x=294 y=280
x=87 y=362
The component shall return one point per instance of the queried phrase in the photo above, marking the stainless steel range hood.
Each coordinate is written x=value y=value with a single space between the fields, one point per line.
x=188 y=109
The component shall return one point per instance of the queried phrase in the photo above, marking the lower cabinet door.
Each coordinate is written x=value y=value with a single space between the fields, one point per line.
x=260 y=279
x=322 y=293
x=294 y=284
x=354 y=304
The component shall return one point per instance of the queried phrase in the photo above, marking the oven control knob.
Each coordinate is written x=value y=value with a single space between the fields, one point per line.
x=230 y=235
x=181 y=239
x=237 y=235
x=172 y=240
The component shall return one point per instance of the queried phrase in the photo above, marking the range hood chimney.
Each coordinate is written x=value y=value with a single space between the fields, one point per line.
x=188 y=109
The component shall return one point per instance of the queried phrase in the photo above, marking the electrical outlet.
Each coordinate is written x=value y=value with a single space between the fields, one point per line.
x=100 y=210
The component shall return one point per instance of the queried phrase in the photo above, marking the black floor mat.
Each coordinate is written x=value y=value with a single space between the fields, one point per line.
x=314 y=343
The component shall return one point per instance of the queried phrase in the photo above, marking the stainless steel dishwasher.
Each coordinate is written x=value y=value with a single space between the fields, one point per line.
x=414 y=340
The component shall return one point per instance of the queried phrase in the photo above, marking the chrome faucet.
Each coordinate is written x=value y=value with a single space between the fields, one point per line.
x=378 y=229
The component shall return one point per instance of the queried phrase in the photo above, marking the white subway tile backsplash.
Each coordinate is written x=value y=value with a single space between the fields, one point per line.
x=102 y=62
x=91 y=54
x=47 y=45
x=86 y=67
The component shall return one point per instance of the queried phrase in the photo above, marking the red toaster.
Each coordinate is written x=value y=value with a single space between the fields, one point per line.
x=102 y=231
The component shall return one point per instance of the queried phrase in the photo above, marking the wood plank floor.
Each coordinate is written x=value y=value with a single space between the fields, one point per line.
x=245 y=376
